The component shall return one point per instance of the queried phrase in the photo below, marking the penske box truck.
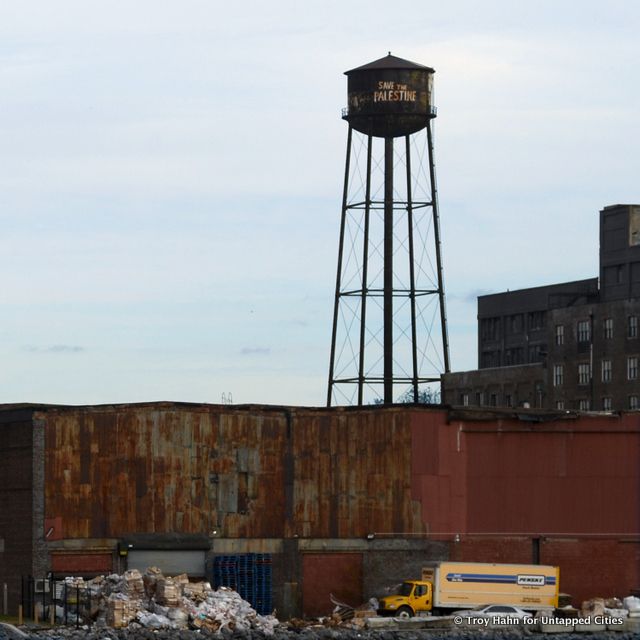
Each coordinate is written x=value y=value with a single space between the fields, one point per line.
x=446 y=586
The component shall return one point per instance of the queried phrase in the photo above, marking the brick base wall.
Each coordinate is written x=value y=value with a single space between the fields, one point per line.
x=592 y=567
x=588 y=567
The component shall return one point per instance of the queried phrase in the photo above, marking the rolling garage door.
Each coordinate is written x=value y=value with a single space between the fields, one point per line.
x=171 y=563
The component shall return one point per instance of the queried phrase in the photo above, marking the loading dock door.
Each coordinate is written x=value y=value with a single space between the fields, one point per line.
x=339 y=574
x=171 y=563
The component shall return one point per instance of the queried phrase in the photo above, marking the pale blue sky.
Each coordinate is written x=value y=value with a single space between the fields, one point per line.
x=171 y=174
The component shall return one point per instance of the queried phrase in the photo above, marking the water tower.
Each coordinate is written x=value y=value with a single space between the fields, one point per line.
x=389 y=338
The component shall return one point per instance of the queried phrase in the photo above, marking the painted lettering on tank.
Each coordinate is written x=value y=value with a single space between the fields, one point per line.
x=393 y=92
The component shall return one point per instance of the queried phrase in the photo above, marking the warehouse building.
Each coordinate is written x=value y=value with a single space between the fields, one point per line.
x=340 y=500
x=574 y=345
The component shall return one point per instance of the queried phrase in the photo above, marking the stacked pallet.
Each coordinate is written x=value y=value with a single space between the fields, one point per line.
x=263 y=602
x=167 y=593
x=134 y=585
x=120 y=610
x=225 y=572
x=249 y=574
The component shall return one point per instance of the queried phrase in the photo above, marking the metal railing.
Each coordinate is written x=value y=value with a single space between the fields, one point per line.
x=52 y=599
x=431 y=111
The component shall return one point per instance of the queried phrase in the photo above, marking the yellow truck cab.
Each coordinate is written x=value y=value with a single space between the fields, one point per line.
x=412 y=597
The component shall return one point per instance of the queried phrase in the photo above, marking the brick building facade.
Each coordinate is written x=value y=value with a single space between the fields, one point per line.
x=569 y=346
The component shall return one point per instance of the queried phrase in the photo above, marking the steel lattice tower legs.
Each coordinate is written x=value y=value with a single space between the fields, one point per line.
x=356 y=346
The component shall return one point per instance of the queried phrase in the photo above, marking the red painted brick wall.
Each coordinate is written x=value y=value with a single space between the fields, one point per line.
x=508 y=549
x=592 y=567
x=81 y=563
x=324 y=574
x=588 y=567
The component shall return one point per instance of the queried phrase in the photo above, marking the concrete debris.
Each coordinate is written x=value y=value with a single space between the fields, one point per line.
x=593 y=607
x=12 y=632
x=611 y=607
x=564 y=600
x=153 y=620
x=632 y=605
x=616 y=613
x=613 y=603
x=153 y=601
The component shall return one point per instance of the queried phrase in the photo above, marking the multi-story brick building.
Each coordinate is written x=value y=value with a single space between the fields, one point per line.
x=574 y=345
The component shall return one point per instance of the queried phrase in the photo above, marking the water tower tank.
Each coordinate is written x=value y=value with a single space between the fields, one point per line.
x=389 y=97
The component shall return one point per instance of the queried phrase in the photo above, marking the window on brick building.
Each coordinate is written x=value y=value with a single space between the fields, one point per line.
x=515 y=324
x=584 y=373
x=559 y=334
x=514 y=356
x=558 y=375
x=632 y=326
x=537 y=320
x=606 y=371
x=537 y=352
x=490 y=359
x=584 y=404
x=607 y=404
x=607 y=328
x=490 y=328
x=632 y=367
x=584 y=331
x=633 y=402
x=560 y=405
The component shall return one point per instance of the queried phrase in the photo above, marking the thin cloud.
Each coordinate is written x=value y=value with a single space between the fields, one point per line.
x=469 y=296
x=255 y=351
x=55 y=348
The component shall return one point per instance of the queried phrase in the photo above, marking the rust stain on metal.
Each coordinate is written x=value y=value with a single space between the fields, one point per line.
x=248 y=472
x=268 y=472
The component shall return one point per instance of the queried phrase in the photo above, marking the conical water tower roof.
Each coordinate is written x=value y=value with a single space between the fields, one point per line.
x=390 y=62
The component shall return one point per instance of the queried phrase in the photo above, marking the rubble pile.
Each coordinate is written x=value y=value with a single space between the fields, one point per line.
x=341 y=612
x=353 y=616
x=612 y=607
x=154 y=601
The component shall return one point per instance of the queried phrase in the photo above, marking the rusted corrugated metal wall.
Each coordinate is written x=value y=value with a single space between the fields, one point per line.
x=248 y=472
x=263 y=472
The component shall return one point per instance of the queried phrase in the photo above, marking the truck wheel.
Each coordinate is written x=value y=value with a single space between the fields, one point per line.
x=404 y=612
